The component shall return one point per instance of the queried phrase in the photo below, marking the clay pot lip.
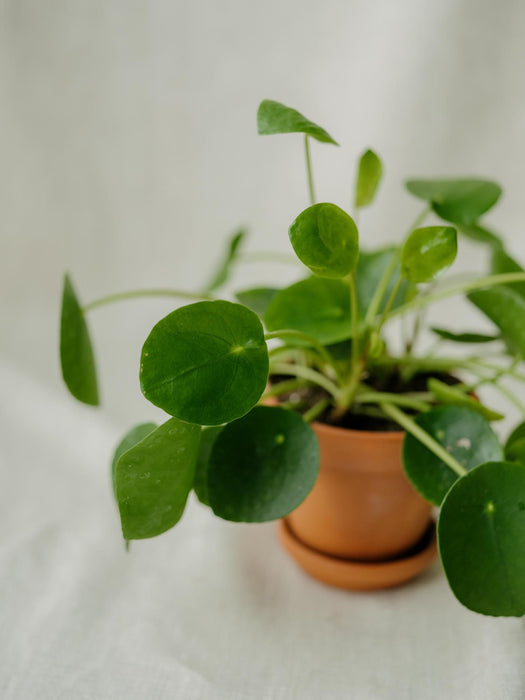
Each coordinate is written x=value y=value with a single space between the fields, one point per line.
x=336 y=431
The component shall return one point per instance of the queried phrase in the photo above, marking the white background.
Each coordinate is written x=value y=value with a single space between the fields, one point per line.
x=128 y=152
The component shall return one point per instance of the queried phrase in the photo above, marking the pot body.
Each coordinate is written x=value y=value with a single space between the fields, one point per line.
x=362 y=506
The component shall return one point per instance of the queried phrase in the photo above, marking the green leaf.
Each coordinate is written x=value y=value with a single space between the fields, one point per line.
x=130 y=439
x=318 y=307
x=221 y=275
x=478 y=233
x=515 y=445
x=368 y=177
x=154 y=478
x=200 y=482
x=502 y=263
x=326 y=240
x=205 y=363
x=465 y=434
x=465 y=337
x=76 y=352
x=369 y=271
x=262 y=466
x=453 y=395
x=481 y=536
x=506 y=309
x=275 y=118
x=460 y=201
x=427 y=252
x=257 y=299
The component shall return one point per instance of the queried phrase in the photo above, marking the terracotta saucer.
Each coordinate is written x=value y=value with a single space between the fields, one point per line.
x=359 y=575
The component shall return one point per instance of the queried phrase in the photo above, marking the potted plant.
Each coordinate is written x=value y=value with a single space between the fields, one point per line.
x=257 y=389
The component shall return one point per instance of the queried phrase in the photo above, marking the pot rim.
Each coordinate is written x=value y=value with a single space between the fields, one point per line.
x=385 y=435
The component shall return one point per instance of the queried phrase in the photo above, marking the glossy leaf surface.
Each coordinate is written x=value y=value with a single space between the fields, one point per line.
x=506 y=309
x=130 y=439
x=154 y=478
x=465 y=337
x=447 y=394
x=205 y=363
x=275 y=118
x=319 y=307
x=76 y=352
x=262 y=466
x=481 y=535
x=222 y=274
x=427 y=252
x=326 y=240
x=257 y=299
x=369 y=175
x=465 y=434
x=460 y=201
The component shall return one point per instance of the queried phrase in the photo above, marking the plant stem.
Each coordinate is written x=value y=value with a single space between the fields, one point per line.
x=396 y=399
x=309 y=374
x=138 y=293
x=354 y=319
x=305 y=338
x=309 y=169
x=427 y=440
x=316 y=410
x=284 y=387
x=389 y=303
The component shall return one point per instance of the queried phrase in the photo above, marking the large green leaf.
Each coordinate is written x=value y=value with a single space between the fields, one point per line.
x=76 y=352
x=460 y=201
x=200 y=482
x=481 y=535
x=326 y=240
x=369 y=271
x=205 y=363
x=506 y=309
x=257 y=299
x=464 y=337
x=221 y=275
x=130 y=439
x=502 y=263
x=368 y=178
x=428 y=252
x=318 y=307
x=275 y=118
x=262 y=466
x=447 y=394
x=465 y=434
x=154 y=478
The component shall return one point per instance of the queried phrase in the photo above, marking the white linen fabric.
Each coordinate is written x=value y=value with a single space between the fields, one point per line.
x=129 y=151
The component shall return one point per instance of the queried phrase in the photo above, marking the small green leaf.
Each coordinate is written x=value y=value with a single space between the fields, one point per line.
x=427 y=252
x=465 y=337
x=262 y=466
x=326 y=240
x=465 y=434
x=481 y=536
x=368 y=178
x=257 y=299
x=506 y=309
x=200 y=482
x=275 y=118
x=205 y=363
x=370 y=269
x=130 y=439
x=318 y=307
x=222 y=274
x=502 y=263
x=453 y=395
x=460 y=201
x=154 y=478
x=76 y=352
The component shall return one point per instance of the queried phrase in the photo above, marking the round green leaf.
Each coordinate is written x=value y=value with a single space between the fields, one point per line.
x=326 y=240
x=257 y=299
x=427 y=252
x=154 y=478
x=465 y=337
x=465 y=434
x=318 y=307
x=460 y=201
x=506 y=309
x=262 y=466
x=445 y=393
x=275 y=118
x=369 y=175
x=76 y=352
x=481 y=536
x=501 y=263
x=130 y=439
x=205 y=363
x=200 y=482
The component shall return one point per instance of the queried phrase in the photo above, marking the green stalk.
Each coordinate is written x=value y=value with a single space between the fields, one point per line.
x=309 y=374
x=138 y=293
x=354 y=320
x=309 y=169
x=300 y=336
x=396 y=399
x=389 y=303
x=283 y=387
x=316 y=410
x=427 y=440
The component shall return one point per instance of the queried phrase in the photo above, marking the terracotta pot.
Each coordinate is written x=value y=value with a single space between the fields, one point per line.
x=362 y=506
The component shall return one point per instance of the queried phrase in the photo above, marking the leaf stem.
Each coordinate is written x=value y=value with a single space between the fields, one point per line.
x=427 y=440
x=307 y=373
x=396 y=399
x=354 y=319
x=305 y=338
x=316 y=410
x=139 y=293
x=283 y=387
x=309 y=169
